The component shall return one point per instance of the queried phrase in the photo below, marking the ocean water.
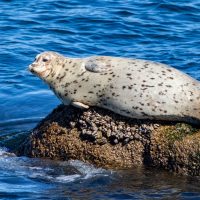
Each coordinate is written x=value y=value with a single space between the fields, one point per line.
x=160 y=30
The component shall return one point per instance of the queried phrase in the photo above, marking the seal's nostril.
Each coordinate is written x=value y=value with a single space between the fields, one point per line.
x=30 y=68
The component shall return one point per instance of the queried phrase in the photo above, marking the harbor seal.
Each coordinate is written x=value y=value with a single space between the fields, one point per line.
x=130 y=87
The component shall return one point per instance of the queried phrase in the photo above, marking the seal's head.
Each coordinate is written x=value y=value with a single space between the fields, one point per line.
x=44 y=64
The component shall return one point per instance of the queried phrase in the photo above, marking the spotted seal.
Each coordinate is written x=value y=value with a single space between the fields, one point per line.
x=130 y=87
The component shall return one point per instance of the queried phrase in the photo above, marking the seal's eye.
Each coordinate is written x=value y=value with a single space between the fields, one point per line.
x=45 y=60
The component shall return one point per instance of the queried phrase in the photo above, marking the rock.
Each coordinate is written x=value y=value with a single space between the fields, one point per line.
x=108 y=140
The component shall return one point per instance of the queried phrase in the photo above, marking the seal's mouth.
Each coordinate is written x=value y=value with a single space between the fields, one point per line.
x=38 y=70
x=35 y=70
x=30 y=68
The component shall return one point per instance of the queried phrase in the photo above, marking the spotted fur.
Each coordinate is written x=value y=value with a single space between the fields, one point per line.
x=134 y=88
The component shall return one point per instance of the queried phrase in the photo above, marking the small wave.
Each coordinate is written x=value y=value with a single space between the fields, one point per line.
x=67 y=179
x=48 y=170
x=4 y=153
x=87 y=170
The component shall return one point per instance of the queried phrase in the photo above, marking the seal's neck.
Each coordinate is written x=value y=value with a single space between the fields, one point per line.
x=63 y=70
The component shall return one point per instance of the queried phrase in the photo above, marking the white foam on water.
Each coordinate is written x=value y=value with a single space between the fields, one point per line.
x=88 y=170
x=46 y=170
x=67 y=179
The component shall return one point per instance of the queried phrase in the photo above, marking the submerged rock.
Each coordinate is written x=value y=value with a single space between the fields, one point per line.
x=108 y=140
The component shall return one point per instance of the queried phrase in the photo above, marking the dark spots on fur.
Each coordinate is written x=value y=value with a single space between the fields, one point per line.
x=110 y=79
x=75 y=81
x=160 y=84
x=130 y=87
x=135 y=107
x=144 y=114
x=142 y=104
x=85 y=96
x=91 y=92
x=113 y=75
x=143 y=85
x=161 y=93
x=53 y=74
x=80 y=86
x=61 y=77
x=146 y=65
x=191 y=93
x=128 y=74
x=123 y=87
x=171 y=78
x=100 y=95
x=81 y=74
x=66 y=69
x=169 y=70
x=169 y=86
x=152 y=78
x=67 y=84
x=165 y=111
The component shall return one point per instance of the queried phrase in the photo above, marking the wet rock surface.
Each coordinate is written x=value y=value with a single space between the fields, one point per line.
x=108 y=140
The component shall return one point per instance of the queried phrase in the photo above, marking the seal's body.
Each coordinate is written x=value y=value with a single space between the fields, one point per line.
x=135 y=88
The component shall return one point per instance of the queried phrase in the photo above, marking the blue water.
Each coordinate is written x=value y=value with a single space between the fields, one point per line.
x=160 y=30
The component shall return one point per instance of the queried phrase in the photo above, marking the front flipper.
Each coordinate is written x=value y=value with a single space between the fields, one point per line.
x=79 y=105
x=98 y=64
